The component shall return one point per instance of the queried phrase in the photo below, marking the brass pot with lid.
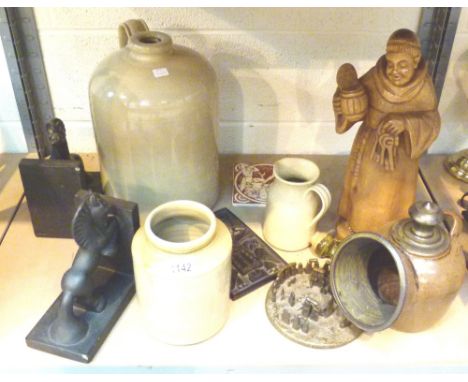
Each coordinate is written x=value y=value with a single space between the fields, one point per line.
x=404 y=276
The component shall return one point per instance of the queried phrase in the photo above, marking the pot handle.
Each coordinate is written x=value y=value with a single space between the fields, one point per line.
x=457 y=226
x=325 y=196
x=129 y=28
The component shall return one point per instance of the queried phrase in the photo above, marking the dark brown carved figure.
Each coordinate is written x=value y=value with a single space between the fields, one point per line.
x=398 y=106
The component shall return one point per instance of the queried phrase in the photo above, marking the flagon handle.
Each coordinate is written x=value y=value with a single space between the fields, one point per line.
x=129 y=28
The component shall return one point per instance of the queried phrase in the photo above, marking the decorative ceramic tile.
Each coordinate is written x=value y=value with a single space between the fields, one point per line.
x=250 y=183
x=254 y=263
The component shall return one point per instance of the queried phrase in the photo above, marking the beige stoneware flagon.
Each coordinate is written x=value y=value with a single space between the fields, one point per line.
x=154 y=106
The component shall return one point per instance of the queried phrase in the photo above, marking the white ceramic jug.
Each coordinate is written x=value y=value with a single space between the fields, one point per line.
x=292 y=204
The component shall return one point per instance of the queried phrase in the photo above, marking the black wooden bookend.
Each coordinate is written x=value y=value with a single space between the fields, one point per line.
x=51 y=184
x=98 y=286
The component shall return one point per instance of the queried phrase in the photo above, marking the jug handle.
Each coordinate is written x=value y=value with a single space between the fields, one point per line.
x=457 y=226
x=129 y=28
x=324 y=195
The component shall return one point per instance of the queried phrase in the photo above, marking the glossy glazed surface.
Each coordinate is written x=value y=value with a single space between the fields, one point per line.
x=154 y=108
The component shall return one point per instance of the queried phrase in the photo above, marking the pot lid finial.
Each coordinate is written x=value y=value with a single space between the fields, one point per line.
x=423 y=233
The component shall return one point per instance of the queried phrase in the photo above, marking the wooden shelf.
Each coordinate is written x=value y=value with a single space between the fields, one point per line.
x=11 y=190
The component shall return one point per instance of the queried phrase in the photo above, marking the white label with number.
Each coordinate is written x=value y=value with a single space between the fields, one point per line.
x=182 y=268
x=160 y=72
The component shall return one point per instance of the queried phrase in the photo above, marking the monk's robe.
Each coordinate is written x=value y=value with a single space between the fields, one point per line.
x=368 y=186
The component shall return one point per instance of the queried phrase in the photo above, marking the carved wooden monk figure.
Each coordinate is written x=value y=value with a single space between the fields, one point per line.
x=398 y=106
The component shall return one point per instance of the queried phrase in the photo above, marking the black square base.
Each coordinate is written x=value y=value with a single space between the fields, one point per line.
x=118 y=291
x=50 y=186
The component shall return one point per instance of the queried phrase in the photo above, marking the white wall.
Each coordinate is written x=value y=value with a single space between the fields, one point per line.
x=276 y=67
x=11 y=133
x=453 y=104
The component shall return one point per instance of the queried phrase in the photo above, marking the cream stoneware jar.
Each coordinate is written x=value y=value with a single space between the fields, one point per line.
x=292 y=210
x=154 y=106
x=182 y=263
